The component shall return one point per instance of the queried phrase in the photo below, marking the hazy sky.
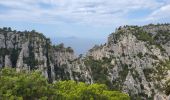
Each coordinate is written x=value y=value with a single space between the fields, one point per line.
x=81 y=18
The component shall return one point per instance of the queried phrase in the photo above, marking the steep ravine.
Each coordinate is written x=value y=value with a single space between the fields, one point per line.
x=135 y=60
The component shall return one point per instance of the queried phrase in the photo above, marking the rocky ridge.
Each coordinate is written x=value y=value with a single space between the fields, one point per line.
x=140 y=59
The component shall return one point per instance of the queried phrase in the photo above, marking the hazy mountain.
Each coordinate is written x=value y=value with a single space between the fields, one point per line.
x=80 y=45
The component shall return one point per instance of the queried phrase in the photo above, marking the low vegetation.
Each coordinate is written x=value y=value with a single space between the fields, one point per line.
x=99 y=69
x=62 y=48
x=33 y=86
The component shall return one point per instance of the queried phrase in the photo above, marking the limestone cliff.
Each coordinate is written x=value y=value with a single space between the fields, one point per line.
x=138 y=59
x=67 y=66
x=33 y=51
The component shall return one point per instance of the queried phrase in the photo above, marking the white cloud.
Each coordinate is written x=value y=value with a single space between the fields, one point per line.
x=93 y=12
x=161 y=13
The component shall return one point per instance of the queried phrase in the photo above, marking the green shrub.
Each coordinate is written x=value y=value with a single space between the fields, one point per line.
x=140 y=55
x=33 y=86
x=72 y=90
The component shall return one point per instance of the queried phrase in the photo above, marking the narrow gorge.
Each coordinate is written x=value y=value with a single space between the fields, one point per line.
x=135 y=59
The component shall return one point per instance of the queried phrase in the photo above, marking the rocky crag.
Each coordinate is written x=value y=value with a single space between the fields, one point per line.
x=135 y=60
x=32 y=50
x=138 y=59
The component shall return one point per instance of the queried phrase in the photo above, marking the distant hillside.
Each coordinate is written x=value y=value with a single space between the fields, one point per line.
x=80 y=45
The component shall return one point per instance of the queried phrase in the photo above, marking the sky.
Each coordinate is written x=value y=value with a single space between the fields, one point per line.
x=93 y=19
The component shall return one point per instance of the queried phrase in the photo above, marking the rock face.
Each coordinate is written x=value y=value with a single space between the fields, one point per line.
x=67 y=66
x=33 y=51
x=138 y=59
x=161 y=97
x=23 y=50
x=135 y=60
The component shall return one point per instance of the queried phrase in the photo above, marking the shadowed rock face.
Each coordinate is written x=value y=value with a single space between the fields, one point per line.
x=135 y=59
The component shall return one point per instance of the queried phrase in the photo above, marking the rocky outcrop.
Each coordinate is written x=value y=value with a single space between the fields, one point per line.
x=7 y=61
x=138 y=54
x=161 y=97
x=68 y=67
x=33 y=51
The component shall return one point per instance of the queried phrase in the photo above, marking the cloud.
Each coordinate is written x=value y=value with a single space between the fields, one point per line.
x=161 y=13
x=93 y=12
